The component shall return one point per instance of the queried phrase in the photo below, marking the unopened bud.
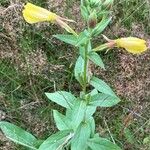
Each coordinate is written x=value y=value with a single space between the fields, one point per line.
x=92 y=20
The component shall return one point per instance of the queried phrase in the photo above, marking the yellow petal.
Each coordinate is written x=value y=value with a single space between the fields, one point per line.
x=34 y=14
x=132 y=44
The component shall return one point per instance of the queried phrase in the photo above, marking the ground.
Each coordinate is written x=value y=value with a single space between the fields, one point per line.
x=33 y=62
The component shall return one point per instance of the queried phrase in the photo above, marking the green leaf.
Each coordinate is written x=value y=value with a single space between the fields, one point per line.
x=57 y=141
x=38 y=143
x=18 y=135
x=79 y=69
x=81 y=136
x=62 y=98
x=83 y=37
x=96 y=135
x=88 y=148
x=101 y=13
x=104 y=100
x=95 y=58
x=101 y=86
x=92 y=126
x=93 y=92
x=101 y=26
x=102 y=144
x=82 y=51
x=76 y=114
x=84 y=12
x=89 y=47
x=95 y=3
x=69 y=39
x=62 y=122
x=90 y=110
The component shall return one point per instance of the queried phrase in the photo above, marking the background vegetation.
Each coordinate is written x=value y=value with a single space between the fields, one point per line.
x=33 y=62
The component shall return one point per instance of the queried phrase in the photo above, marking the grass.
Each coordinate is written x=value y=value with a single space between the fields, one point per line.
x=24 y=80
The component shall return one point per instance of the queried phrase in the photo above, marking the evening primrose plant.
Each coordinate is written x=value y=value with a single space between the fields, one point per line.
x=76 y=128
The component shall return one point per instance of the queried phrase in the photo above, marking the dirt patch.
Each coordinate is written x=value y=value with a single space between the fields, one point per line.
x=5 y=144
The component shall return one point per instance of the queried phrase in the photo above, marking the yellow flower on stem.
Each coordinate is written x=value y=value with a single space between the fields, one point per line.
x=34 y=14
x=132 y=44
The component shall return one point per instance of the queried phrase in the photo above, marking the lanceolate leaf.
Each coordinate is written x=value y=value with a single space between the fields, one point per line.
x=76 y=114
x=88 y=148
x=93 y=92
x=92 y=126
x=101 y=86
x=94 y=57
x=62 y=122
x=62 y=98
x=101 y=26
x=84 y=12
x=104 y=100
x=90 y=110
x=81 y=136
x=102 y=144
x=79 y=69
x=102 y=13
x=82 y=51
x=57 y=141
x=18 y=135
x=83 y=37
x=69 y=39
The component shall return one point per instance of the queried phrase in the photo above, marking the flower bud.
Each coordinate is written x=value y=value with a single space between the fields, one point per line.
x=132 y=44
x=34 y=14
x=92 y=20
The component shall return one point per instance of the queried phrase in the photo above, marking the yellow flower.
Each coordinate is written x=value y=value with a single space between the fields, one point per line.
x=132 y=44
x=34 y=14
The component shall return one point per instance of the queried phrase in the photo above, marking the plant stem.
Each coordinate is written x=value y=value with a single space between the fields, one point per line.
x=85 y=67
